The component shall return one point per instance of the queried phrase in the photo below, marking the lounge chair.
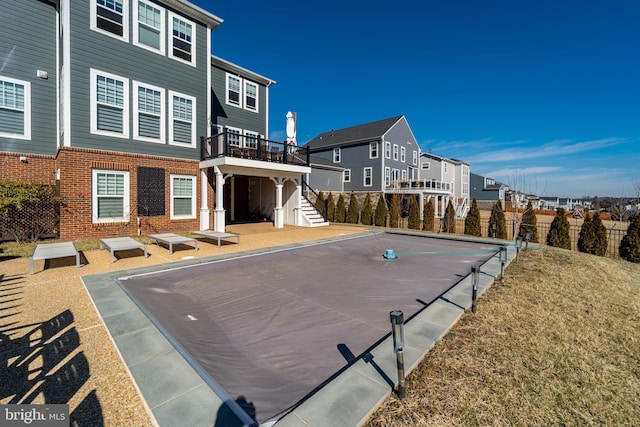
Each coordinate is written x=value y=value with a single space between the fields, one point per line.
x=54 y=250
x=122 y=244
x=171 y=239
x=215 y=235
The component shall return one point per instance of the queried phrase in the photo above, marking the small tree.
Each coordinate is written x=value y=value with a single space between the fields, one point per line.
x=331 y=208
x=341 y=209
x=394 y=211
x=428 y=216
x=472 y=226
x=380 y=217
x=602 y=241
x=529 y=223
x=353 y=214
x=630 y=244
x=497 y=218
x=449 y=219
x=320 y=203
x=587 y=237
x=366 y=217
x=414 y=215
x=559 y=231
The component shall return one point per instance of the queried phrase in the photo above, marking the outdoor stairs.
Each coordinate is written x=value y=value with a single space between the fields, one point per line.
x=462 y=208
x=310 y=215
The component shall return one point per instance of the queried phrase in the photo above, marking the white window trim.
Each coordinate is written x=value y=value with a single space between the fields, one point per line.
x=371 y=149
x=427 y=164
x=125 y=21
x=163 y=29
x=27 y=110
x=338 y=156
x=347 y=175
x=404 y=175
x=240 y=139
x=250 y=134
x=364 y=176
x=387 y=176
x=94 y=197
x=395 y=152
x=136 y=114
x=94 y=105
x=193 y=120
x=240 y=95
x=170 y=39
x=193 y=197
x=415 y=158
x=387 y=149
x=244 y=95
x=403 y=154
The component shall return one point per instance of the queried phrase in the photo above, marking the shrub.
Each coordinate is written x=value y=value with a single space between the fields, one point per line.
x=394 y=211
x=331 y=208
x=630 y=244
x=529 y=223
x=380 y=217
x=559 y=231
x=414 y=215
x=587 y=237
x=449 y=219
x=497 y=218
x=353 y=214
x=472 y=226
x=320 y=203
x=28 y=211
x=366 y=217
x=428 y=216
x=602 y=241
x=341 y=209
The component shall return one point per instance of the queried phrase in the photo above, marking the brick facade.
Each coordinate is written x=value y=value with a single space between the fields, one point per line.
x=75 y=186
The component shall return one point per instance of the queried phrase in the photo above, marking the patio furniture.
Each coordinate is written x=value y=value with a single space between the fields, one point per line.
x=171 y=239
x=122 y=244
x=215 y=235
x=55 y=250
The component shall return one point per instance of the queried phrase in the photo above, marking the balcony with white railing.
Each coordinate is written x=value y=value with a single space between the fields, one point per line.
x=421 y=185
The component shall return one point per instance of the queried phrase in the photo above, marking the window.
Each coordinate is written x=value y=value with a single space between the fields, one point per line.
x=403 y=154
x=183 y=201
x=148 y=122
x=395 y=152
x=425 y=166
x=404 y=176
x=373 y=150
x=387 y=177
x=415 y=157
x=110 y=194
x=109 y=104
x=15 y=108
x=111 y=18
x=336 y=155
x=182 y=126
x=233 y=135
x=387 y=150
x=444 y=167
x=250 y=96
x=182 y=39
x=251 y=139
x=148 y=31
x=465 y=170
x=347 y=175
x=233 y=90
x=367 y=177
x=465 y=188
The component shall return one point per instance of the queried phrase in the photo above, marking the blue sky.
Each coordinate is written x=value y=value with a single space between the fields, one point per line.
x=542 y=95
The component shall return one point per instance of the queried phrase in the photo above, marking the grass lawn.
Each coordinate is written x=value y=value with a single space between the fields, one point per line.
x=558 y=343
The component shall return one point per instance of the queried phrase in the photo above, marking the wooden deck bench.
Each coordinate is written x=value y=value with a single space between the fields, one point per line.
x=171 y=239
x=54 y=250
x=215 y=235
x=122 y=244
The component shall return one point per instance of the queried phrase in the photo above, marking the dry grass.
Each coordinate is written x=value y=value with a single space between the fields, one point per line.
x=557 y=344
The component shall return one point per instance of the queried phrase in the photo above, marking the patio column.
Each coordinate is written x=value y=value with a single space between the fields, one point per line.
x=297 y=211
x=218 y=210
x=421 y=204
x=278 y=214
x=204 y=200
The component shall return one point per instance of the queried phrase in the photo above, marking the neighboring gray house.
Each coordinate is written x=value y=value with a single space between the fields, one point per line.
x=445 y=180
x=380 y=156
x=487 y=191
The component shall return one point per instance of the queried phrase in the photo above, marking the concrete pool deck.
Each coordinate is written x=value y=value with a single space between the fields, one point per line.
x=177 y=392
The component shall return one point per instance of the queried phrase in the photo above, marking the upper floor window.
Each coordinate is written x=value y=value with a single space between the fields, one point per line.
x=109 y=104
x=182 y=40
x=148 y=123
x=368 y=177
x=149 y=28
x=233 y=90
x=425 y=165
x=465 y=188
x=444 y=167
x=182 y=125
x=347 y=175
x=250 y=96
x=465 y=170
x=251 y=139
x=395 y=152
x=15 y=108
x=387 y=176
x=403 y=154
x=233 y=135
x=387 y=149
x=336 y=155
x=111 y=17
x=373 y=150
x=415 y=157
